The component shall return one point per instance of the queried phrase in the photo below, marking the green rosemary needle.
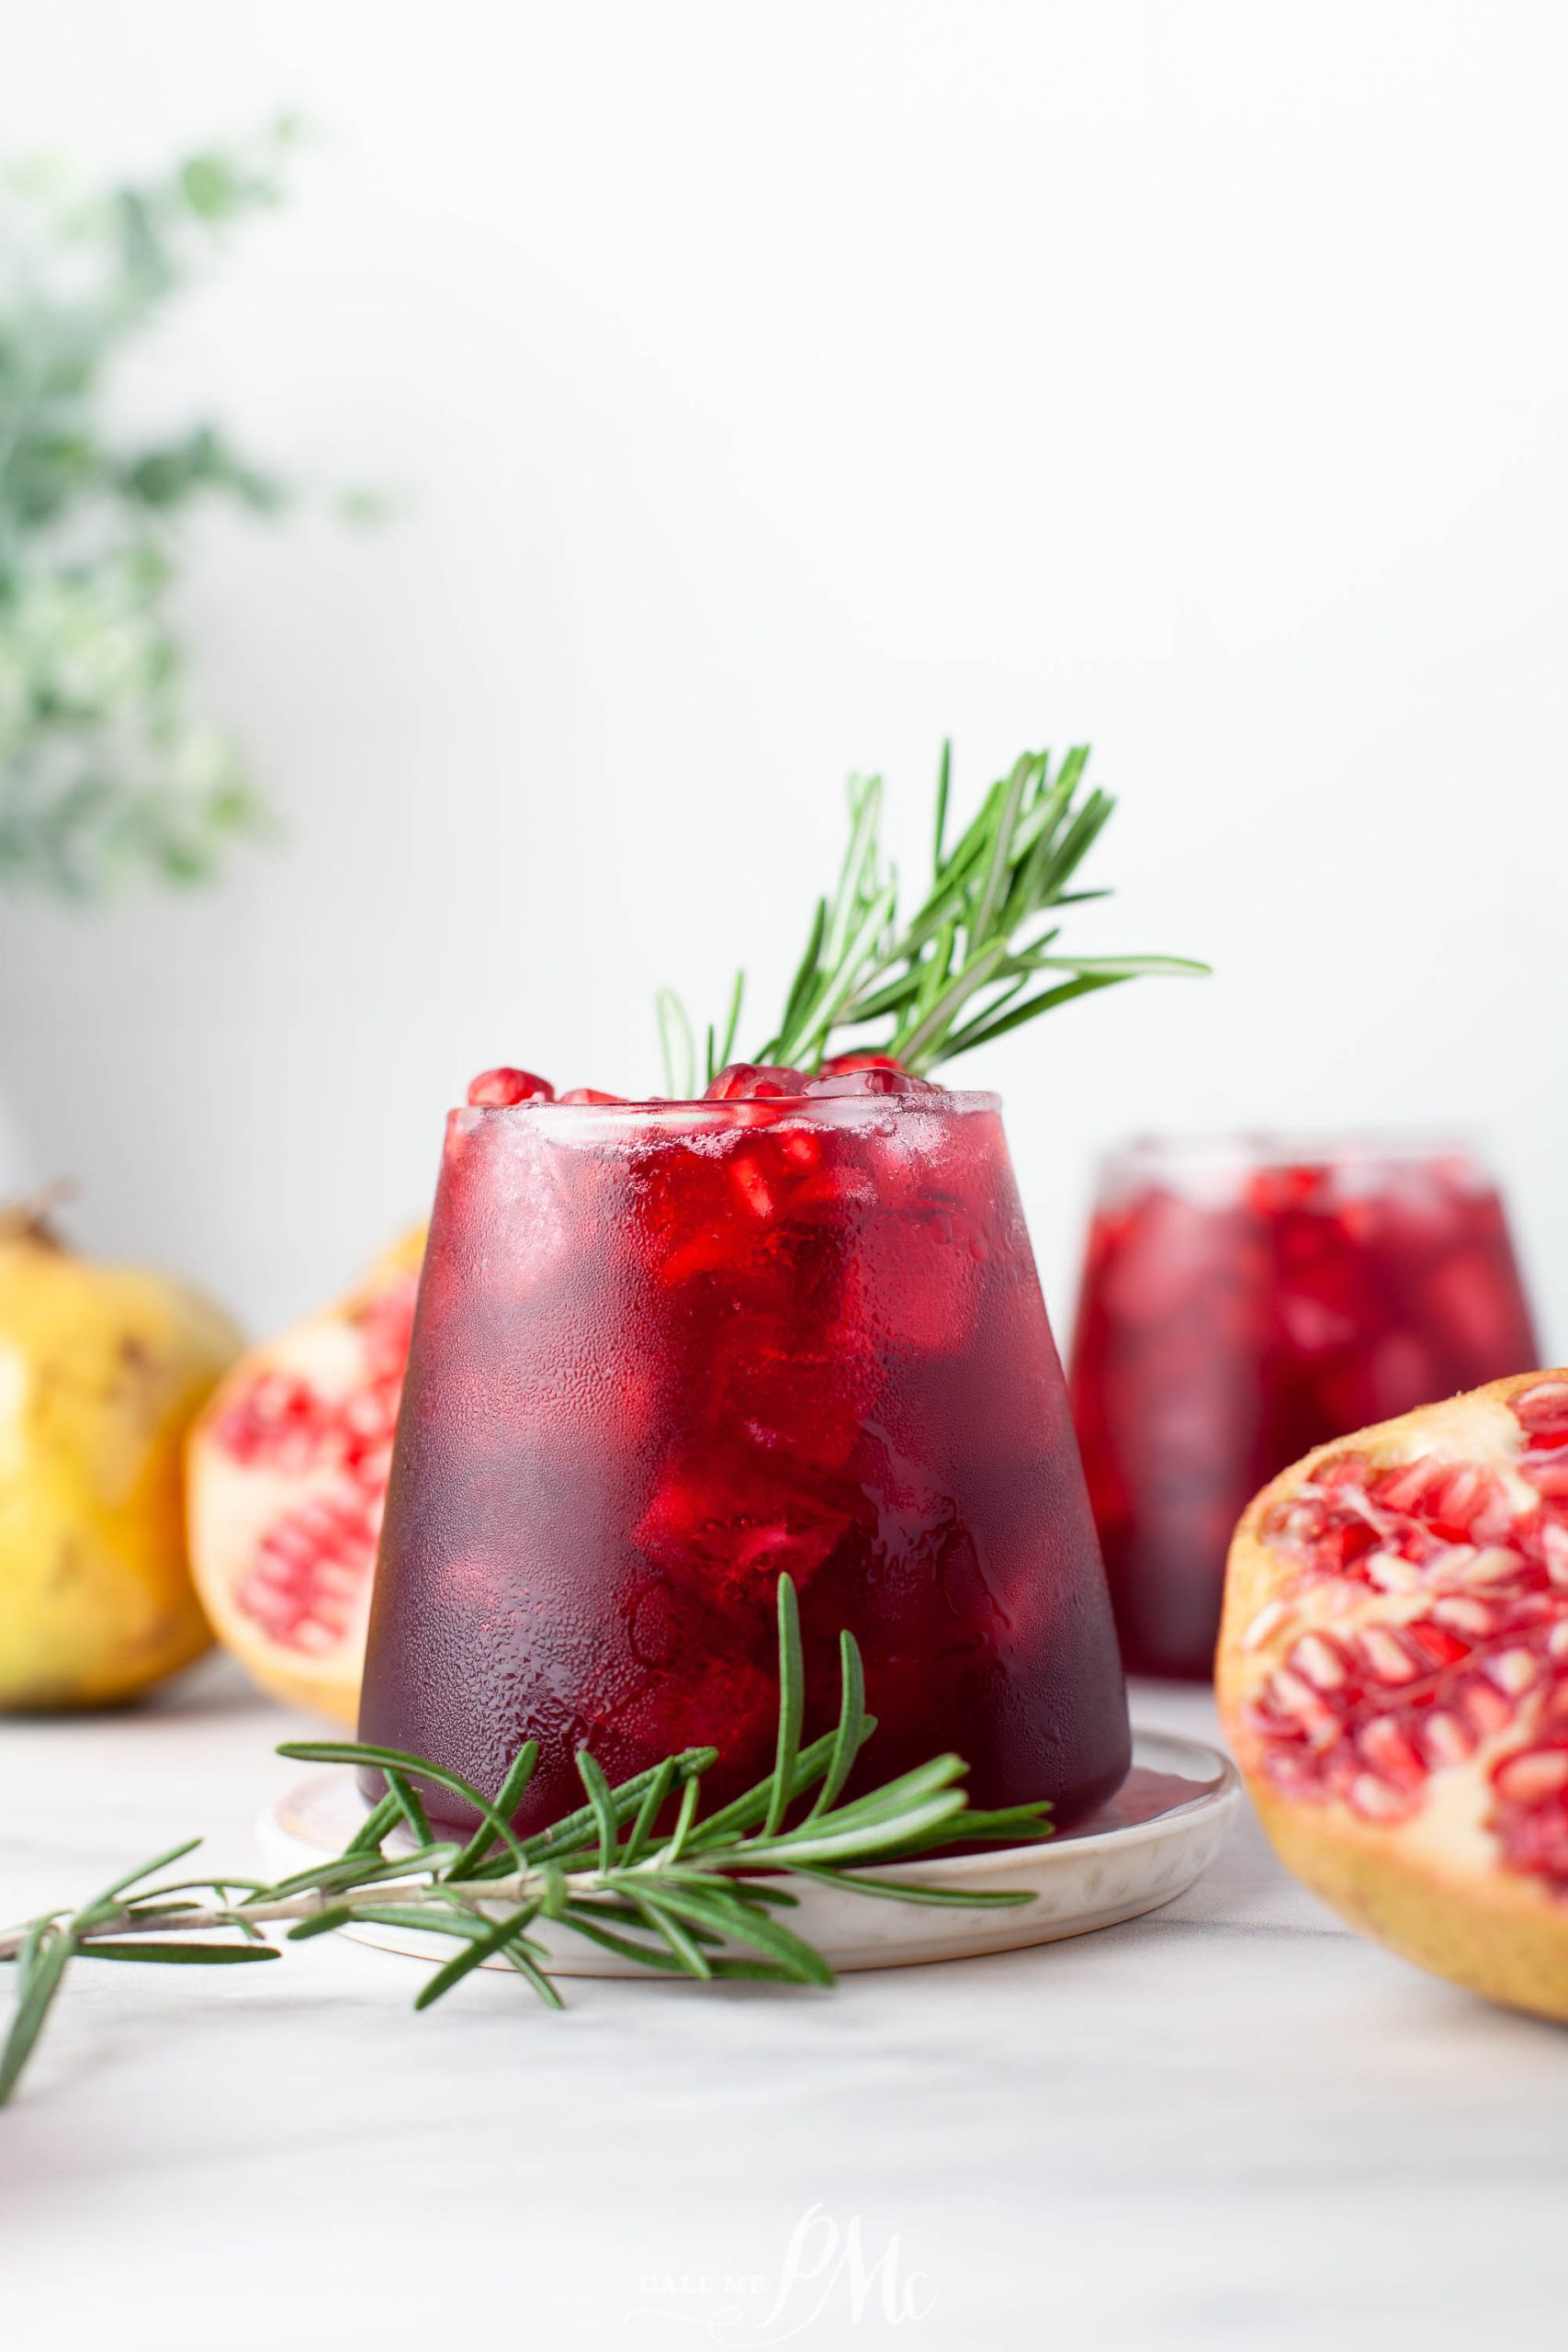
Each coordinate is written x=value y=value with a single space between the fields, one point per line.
x=692 y=1895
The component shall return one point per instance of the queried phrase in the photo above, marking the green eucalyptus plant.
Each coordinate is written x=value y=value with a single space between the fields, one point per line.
x=110 y=771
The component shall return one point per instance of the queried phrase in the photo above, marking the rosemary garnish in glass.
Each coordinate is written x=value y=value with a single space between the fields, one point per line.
x=693 y=1896
x=960 y=971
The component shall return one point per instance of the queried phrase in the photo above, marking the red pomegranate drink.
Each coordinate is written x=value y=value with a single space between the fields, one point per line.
x=1242 y=1303
x=664 y=1353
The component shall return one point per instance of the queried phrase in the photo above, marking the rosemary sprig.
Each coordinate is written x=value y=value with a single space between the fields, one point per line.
x=692 y=1896
x=959 y=972
x=963 y=969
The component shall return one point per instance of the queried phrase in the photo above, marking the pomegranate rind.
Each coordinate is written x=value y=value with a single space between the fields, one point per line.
x=230 y=1504
x=1434 y=1888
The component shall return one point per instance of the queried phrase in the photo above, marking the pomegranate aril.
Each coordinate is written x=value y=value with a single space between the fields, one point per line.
x=1435 y=1645
x=591 y=1095
x=700 y=1253
x=1320 y=1661
x=1386 y=1658
x=1464 y=1613
x=1532 y=1777
x=1267 y=1622
x=1486 y=1708
x=1392 y=1753
x=1542 y=1412
x=1379 y=1800
x=1514 y=1671
x=836 y=1064
x=502 y=1088
x=1461 y=1498
x=1551 y=1713
x=741 y=1081
x=1272 y=1724
x=1404 y=1490
x=315 y=1636
x=1390 y=1572
x=877 y=1080
x=1446 y=1740
x=1291 y=1695
x=370 y=1419
x=1552 y=1539
x=1494 y=1563
x=752 y=1186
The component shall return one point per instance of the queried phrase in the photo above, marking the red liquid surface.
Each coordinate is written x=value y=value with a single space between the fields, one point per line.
x=660 y=1357
x=1228 y=1325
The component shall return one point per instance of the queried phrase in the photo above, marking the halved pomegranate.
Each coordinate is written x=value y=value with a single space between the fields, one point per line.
x=1394 y=1678
x=288 y=1477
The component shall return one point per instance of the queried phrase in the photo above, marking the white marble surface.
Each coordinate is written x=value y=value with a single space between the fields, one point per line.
x=1230 y=2124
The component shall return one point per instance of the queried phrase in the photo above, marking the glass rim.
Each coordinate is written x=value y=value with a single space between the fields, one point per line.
x=743 y=1111
x=1295 y=1147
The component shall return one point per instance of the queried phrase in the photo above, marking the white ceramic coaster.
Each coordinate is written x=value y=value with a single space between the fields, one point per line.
x=1147 y=1847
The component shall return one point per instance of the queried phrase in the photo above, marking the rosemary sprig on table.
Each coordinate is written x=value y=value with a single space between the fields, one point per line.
x=962 y=969
x=693 y=1896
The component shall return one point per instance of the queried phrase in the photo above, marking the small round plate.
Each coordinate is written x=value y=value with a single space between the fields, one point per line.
x=1154 y=1839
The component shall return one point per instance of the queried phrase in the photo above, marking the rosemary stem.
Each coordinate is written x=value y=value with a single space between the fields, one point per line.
x=697 y=1896
x=520 y=1887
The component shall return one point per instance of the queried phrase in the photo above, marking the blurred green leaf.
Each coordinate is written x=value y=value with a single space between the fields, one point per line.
x=109 y=771
x=208 y=187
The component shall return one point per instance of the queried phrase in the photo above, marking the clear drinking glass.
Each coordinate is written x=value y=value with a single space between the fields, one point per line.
x=1244 y=1300
x=665 y=1351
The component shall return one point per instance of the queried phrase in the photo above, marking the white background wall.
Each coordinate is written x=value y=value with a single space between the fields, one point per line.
x=775 y=388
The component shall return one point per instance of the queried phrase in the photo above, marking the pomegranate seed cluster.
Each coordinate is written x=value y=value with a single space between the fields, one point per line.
x=502 y=1088
x=505 y=1087
x=846 y=1075
x=307 y=1580
x=1471 y=1656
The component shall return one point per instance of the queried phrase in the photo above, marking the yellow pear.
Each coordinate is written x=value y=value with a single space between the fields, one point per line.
x=102 y=1371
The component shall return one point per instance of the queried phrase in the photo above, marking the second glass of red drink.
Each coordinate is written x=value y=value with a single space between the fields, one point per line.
x=1242 y=1302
